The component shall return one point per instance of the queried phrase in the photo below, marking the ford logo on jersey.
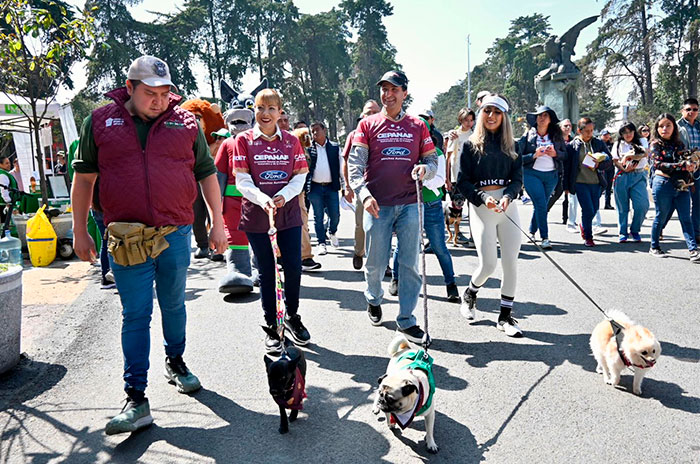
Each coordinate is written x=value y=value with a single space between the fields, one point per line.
x=396 y=151
x=273 y=175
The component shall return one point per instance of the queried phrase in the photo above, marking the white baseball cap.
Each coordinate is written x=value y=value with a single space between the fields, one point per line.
x=150 y=70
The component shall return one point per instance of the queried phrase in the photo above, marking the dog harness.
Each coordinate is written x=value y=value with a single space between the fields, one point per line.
x=417 y=359
x=619 y=332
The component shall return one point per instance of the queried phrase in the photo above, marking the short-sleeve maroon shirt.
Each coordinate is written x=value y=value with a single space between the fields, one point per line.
x=395 y=147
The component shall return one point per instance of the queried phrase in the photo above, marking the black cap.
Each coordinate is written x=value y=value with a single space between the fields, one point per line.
x=397 y=78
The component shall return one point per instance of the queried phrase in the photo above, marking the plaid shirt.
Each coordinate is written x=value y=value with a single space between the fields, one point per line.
x=693 y=140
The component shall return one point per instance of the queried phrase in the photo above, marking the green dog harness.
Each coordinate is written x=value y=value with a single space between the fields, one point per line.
x=420 y=360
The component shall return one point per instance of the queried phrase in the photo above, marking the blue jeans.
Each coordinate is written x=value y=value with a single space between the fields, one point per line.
x=402 y=219
x=695 y=206
x=573 y=213
x=104 y=259
x=324 y=198
x=434 y=226
x=666 y=199
x=539 y=185
x=135 y=284
x=631 y=186
x=589 y=199
x=289 y=242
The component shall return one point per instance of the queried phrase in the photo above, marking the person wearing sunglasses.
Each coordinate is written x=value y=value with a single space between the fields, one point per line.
x=490 y=177
x=689 y=130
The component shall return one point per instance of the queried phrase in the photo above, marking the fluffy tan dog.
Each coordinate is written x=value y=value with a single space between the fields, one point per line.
x=302 y=133
x=640 y=349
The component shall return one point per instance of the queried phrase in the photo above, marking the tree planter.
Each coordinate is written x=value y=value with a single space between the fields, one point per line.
x=10 y=317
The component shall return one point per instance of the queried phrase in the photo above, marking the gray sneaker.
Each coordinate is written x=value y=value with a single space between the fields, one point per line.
x=179 y=375
x=134 y=416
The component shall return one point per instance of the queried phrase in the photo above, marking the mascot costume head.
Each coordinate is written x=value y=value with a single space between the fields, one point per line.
x=239 y=117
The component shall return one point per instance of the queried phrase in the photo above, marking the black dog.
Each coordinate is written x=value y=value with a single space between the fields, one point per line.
x=453 y=217
x=286 y=377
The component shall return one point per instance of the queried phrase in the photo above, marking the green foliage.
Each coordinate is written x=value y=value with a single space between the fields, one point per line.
x=509 y=69
x=37 y=48
x=593 y=97
x=681 y=30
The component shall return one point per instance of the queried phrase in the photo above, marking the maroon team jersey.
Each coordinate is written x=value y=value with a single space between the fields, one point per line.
x=271 y=164
x=395 y=147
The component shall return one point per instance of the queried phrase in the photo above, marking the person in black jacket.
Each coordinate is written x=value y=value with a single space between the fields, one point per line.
x=490 y=177
x=543 y=151
x=584 y=174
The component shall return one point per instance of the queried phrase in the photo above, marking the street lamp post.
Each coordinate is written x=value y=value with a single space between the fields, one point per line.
x=469 y=75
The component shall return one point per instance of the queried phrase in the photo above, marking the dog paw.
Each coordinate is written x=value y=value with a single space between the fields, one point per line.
x=433 y=448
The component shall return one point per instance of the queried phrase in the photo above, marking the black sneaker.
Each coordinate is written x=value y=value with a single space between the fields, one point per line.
x=657 y=252
x=106 y=284
x=468 y=308
x=387 y=272
x=217 y=257
x=394 y=287
x=453 y=293
x=201 y=253
x=272 y=345
x=297 y=330
x=309 y=265
x=357 y=262
x=413 y=334
x=375 y=314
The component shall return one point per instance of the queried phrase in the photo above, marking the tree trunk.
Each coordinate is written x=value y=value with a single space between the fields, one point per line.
x=694 y=40
x=34 y=126
x=217 y=65
x=260 y=67
x=648 y=96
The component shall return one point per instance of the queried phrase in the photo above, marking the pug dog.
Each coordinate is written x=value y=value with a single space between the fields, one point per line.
x=405 y=390
x=639 y=350
x=286 y=377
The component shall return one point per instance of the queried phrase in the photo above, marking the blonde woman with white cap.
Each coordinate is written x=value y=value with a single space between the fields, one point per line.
x=490 y=177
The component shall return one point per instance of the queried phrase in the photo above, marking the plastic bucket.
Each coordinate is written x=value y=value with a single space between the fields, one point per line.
x=42 y=251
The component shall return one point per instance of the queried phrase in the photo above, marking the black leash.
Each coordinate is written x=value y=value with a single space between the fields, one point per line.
x=566 y=274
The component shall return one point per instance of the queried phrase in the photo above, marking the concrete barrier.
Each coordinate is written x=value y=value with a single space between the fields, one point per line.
x=10 y=318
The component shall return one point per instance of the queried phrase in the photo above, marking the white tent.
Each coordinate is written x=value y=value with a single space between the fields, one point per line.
x=12 y=120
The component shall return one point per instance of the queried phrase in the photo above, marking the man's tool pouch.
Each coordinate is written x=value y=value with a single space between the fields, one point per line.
x=131 y=243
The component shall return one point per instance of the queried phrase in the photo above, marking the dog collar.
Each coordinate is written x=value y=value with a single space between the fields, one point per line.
x=619 y=332
x=295 y=400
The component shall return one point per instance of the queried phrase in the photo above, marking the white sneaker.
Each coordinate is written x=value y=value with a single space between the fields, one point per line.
x=598 y=230
x=546 y=244
x=334 y=240
x=510 y=327
x=572 y=229
x=321 y=249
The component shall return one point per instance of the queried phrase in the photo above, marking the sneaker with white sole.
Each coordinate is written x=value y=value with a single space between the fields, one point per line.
x=413 y=334
x=321 y=249
x=134 y=415
x=695 y=256
x=598 y=230
x=657 y=252
x=374 y=312
x=334 y=240
x=309 y=265
x=510 y=327
x=572 y=229
x=468 y=307
x=546 y=244
x=179 y=375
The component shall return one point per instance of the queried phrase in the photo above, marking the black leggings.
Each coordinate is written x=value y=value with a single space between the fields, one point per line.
x=289 y=242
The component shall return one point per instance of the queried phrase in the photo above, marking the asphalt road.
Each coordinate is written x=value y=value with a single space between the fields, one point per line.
x=535 y=399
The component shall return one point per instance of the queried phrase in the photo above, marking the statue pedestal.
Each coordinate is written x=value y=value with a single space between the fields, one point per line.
x=560 y=95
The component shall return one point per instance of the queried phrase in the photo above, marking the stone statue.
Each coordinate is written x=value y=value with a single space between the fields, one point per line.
x=556 y=84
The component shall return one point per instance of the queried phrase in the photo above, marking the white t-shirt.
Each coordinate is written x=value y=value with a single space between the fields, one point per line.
x=621 y=148
x=544 y=163
x=454 y=150
x=322 y=172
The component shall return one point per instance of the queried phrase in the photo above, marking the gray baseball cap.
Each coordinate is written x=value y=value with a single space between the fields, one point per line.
x=151 y=71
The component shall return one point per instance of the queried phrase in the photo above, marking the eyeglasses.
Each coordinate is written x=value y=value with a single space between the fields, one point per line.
x=691 y=110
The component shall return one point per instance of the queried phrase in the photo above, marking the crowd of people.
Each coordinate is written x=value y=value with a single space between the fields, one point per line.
x=155 y=159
